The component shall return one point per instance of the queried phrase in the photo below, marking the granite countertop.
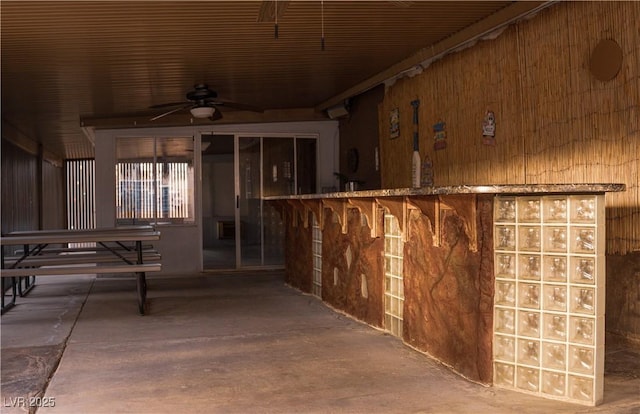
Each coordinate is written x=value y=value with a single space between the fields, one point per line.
x=519 y=189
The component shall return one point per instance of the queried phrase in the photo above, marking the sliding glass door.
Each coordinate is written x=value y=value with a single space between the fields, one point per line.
x=278 y=179
x=218 y=202
x=262 y=166
x=249 y=201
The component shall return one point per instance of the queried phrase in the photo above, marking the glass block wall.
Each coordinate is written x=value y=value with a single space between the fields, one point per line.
x=316 y=251
x=394 y=287
x=549 y=296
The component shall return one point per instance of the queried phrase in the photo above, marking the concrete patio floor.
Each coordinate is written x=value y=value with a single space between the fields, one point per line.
x=239 y=342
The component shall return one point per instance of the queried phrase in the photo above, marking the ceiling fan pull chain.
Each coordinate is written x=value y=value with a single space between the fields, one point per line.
x=322 y=24
x=275 y=28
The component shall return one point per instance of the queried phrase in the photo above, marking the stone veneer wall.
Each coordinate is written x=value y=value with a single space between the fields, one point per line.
x=449 y=289
x=347 y=260
x=448 y=275
x=298 y=251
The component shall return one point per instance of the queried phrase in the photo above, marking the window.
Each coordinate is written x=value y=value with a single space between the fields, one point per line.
x=394 y=284
x=154 y=181
x=81 y=212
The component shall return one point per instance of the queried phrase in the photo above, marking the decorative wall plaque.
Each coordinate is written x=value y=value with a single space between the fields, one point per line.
x=394 y=123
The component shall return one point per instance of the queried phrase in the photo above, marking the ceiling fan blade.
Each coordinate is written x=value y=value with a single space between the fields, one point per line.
x=268 y=10
x=216 y=115
x=166 y=105
x=236 y=105
x=170 y=112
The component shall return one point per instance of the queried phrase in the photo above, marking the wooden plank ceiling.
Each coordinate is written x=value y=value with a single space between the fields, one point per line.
x=106 y=62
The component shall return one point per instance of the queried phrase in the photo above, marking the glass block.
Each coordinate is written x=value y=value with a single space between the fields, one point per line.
x=506 y=265
x=529 y=352
x=555 y=209
x=554 y=383
x=394 y=286
x=581 y=359
x=505 y=320
x=530 y=266
x=529 y=324
x=555 y=326
x=555 y=268
x=582 y=330
x=580 y=388
x=583 y=209
x=555 y=297
x=555 y=239
x=399 y=327
x=505 y=237
x=390 y=224
x=550 y=255
x=529 y=210
x=504 y=375
x=393 y=306
x=529 y=295
x=554 y=355
x=505 y=210
x=529 y=238
x=583 y=269
x=504 y=348
x=505 y=293
x=528 y=378
x=396 y=248
x=395 y=265
x=583 y=240
x=583 y=300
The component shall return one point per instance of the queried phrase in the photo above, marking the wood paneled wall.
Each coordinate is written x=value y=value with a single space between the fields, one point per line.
x=555 y=122
x=33 y=194
x=19 y=189
x=359 y=130
x=53 y=197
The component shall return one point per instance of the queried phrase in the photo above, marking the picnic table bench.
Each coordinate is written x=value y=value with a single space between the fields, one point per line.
x=64 y=252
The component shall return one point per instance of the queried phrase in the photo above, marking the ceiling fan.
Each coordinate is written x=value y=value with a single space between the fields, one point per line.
x=202 y=102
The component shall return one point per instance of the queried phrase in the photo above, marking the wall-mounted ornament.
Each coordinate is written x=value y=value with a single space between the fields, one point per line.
x=427 y=172
x=489 y=128
x=440 y=135
x=606 y=60
x=394 y=123
x=416 y=171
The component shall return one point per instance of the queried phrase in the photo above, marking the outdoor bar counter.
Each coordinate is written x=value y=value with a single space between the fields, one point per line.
x=502 y=283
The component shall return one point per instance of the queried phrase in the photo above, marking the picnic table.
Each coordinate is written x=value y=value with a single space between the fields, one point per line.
x=75 y=252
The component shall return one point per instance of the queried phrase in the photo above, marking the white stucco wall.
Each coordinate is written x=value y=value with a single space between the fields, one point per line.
x=181 y=245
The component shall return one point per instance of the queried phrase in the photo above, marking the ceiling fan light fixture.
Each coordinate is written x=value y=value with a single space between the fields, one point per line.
x=202 y=111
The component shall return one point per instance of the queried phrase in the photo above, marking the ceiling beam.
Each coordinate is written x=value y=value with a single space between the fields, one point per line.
x=502 y=18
